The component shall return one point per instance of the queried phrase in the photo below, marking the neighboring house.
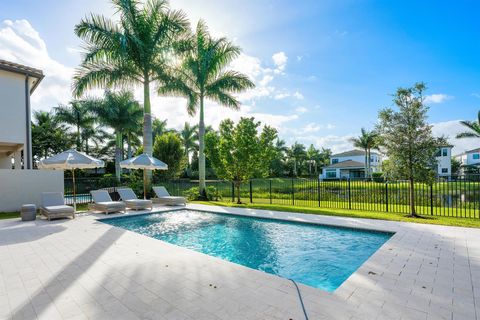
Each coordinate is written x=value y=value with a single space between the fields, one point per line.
x=444 y=161
x=17 y=83
x=21 y=185
x=350 y=164
x=469 y=159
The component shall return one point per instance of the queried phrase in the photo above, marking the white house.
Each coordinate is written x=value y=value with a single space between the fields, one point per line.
x=469 y=159
x=18 y=183
x=350 y=164
x=444 y=161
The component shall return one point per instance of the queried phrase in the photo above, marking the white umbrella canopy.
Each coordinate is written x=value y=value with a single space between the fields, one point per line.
x=71 y=160
x=145 y=162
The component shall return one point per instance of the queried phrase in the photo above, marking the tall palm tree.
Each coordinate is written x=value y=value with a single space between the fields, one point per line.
x=117 y=111
x=189 y=136
x=135 y=50
x=473 y=128
x=367 y=141
x=297 y=154
x=48 y=135
x=202 y=75
x=78 y=115
x=94 y=134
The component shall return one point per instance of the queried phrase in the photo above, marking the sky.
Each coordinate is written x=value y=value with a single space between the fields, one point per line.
x=322 y=69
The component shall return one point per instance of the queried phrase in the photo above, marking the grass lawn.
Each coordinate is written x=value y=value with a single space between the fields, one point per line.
x=447 y=221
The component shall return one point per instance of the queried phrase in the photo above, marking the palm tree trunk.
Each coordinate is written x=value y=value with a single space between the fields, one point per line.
x=366 y=163
x=129 y=146
x=201 y=156
x=147 y=129
x=118 y=155
x=79 y=143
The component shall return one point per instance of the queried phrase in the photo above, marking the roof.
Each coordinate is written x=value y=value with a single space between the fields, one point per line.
x=37 y=74
x=346 y=164
x=351 y=153
x=468 y=151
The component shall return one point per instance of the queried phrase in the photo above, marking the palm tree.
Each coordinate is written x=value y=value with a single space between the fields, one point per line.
x=48 y=135
x=159 y=128
x=367 y=141
x=134 y=50
x=189 y=138
x=202 y=74
x=117 y=111
x=78 y=115
x=473 y=129
x=94 y=134
x=297 y=154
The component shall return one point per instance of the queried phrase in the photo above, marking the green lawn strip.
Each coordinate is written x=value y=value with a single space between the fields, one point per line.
x=9 y=215
x=447 y=221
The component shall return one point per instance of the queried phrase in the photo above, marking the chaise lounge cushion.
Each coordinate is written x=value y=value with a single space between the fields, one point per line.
x=61 y=209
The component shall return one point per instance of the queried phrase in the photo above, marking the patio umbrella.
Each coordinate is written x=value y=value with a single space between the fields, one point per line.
x=71 y=160
x=145 y=162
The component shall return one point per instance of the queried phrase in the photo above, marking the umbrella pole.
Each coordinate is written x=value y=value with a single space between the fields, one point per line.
x=74 y=191
x=144 y=185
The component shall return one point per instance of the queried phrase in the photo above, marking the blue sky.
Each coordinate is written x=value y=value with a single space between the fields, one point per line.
x=323 y=68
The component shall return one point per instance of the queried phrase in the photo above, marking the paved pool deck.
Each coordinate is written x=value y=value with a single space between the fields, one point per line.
x=85 y=269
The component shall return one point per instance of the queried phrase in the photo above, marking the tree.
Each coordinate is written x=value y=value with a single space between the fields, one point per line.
x=169 y=148
x=277 y=165
x=159 y=127
x=78 y=115
x=237 y=152
x=202 y=75
x=189 y=135
x=456 y=165
x=48 y=135
x=296 y=154
x=367 y=140
x=135 y=50
x=313 y=157
x=473 y=128
x=120 y=112
x=407 y=139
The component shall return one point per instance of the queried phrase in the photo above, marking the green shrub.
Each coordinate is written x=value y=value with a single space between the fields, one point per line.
x=194 y=194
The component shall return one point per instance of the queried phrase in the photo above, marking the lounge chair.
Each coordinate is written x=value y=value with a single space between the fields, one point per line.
x=103 y=203
x=53 y=206
x=163 y=197
x=131 y=200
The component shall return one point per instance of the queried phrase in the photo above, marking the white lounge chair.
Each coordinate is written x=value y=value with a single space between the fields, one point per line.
x=163 y=197
x=103 y=203
x=53 y=206
x=131 y=200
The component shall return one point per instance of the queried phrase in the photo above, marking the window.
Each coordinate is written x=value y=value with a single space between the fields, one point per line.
x=476 y=156
x=444 y=170
x=439 y=153
x=331 y=173
x=334 y=160
x=444 y=152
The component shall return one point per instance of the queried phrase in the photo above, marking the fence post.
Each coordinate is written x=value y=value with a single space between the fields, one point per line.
x=318 y=192
x=431 y=199
x=293 y=193
x=251 y=200
x=386 y=194
x=349 y=195
x=270 y=191
x=233 y=192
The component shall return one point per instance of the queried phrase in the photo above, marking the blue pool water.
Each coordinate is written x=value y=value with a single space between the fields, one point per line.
x=315 y=255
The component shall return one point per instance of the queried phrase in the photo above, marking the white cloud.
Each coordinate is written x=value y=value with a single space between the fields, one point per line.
x=21 y=43
x=476 y=95
x=301 y=110
x=280 y=61
x=298 y=95
x=282 y=95
x=450 y=129
x=337 y=143
x=437 y=98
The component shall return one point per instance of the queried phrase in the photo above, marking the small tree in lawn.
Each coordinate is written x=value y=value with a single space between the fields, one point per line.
x=407 y=139
x=239 y=152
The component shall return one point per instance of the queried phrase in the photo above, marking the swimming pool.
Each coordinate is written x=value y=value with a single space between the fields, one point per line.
x=316 y=255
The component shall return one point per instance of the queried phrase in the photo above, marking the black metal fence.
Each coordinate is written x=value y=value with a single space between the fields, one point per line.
x=458 y=196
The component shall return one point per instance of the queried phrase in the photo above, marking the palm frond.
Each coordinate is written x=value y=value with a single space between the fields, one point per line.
x=225 y=99
x=230 y=81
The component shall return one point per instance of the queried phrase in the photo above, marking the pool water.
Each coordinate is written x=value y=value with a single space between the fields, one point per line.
x=316 y=255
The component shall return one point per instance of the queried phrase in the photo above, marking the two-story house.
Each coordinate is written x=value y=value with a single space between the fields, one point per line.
x=19 y=184
x=444 y=161
x=469 y=160
x=350 y=164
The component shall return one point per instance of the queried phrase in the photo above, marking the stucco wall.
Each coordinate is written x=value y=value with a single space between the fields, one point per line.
x=19 y=187
x=12 y=108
